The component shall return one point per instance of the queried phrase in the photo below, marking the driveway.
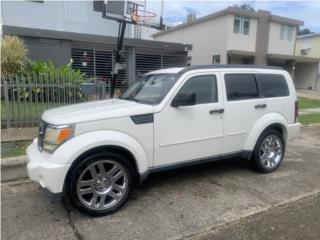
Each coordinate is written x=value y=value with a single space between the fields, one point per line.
x=190 y=203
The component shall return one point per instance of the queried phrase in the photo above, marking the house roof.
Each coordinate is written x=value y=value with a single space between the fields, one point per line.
x=235 y=11
x=309 y=35
x=90 y=38
x=293 y=57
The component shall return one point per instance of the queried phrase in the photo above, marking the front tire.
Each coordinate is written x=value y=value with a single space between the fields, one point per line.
x=100 y=184
x=269 y=151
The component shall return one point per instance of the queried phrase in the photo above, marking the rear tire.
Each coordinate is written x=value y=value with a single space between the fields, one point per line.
x=100 y=184
x=269 y=151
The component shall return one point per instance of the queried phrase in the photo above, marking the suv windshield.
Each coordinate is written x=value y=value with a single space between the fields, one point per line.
x=151 y=88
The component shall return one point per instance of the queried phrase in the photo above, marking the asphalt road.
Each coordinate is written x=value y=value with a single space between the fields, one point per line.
x=222 y=200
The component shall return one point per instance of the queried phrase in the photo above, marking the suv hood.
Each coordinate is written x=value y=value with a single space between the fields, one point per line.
x=91 y=111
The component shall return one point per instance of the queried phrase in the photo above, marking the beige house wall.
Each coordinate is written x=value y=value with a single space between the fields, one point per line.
x=207 y=38
x=277 y=46
x=312 y=43
x=241 y=42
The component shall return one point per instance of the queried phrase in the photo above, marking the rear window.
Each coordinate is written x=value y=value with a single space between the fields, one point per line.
x=241 y=87
x=274 y=85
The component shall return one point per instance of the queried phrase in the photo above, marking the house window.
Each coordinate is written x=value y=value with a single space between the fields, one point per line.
x=286 y=32
x=241 y=25
x=216 y=59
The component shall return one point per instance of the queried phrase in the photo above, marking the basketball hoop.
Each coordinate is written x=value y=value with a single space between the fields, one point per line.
x=139 y=16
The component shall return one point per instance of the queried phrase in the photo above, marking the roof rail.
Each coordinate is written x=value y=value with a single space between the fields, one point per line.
x=218 y=66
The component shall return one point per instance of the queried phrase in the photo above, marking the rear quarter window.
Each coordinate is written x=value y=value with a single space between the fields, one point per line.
x=241 y=87
x=273 y=85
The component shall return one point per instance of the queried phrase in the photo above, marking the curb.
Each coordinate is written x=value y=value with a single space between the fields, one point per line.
x=13 y=168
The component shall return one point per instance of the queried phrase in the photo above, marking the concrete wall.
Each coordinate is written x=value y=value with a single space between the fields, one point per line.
x=58 y=51
x=70 y=16
x=241 y=42
x=309 y=42
x=277 y=46
x=305 y=75
x=207 y=38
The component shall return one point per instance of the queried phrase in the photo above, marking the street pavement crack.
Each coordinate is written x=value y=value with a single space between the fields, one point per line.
x=73 y=226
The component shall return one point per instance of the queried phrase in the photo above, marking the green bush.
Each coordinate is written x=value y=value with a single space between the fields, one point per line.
x=50 y=82
x=54 y=74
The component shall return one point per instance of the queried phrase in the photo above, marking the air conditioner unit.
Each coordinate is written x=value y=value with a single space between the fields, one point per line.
x=305 y=51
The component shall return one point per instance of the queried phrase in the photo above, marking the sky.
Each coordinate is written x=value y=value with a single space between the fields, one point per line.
x=175 y=12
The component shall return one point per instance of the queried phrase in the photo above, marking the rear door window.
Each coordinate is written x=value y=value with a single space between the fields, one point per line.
x=273 y=85
x=241 y=87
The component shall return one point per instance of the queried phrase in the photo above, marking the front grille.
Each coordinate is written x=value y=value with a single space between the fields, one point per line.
x=42 y=130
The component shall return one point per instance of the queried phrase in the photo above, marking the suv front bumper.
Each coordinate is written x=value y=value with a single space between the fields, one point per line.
x=41 y=170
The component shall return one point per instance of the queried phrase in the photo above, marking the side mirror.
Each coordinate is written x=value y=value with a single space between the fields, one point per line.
x=184 y=99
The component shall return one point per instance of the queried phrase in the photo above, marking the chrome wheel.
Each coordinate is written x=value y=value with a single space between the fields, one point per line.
x=270 y=153
x=102 y=185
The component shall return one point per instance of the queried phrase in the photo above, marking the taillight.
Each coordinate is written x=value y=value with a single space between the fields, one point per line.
x=296 y=111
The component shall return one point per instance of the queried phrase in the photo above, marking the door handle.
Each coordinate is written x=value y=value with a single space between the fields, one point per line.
x=216 y=111
x=260 y=106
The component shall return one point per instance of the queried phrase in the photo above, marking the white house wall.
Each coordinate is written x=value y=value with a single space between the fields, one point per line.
x=69 y=16
x=242 y=42
x=277 y=46
x=207 y=38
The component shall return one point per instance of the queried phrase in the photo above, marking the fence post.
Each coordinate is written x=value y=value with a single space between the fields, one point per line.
x=6 y=100
x=104 y=85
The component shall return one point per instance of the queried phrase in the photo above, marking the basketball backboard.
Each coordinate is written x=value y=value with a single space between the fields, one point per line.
x=141 y=12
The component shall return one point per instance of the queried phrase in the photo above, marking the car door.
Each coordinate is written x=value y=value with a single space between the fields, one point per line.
x=186 y=133
x=243 y=107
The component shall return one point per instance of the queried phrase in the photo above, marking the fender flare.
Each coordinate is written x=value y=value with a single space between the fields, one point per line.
x=263 y=123
x=68 y=152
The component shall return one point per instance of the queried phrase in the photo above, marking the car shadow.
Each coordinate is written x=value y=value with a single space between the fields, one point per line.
x=184 y=174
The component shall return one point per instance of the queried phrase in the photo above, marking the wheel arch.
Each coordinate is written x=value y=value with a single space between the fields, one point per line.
x=107 y=148
x=268 y=121
x=81 y=146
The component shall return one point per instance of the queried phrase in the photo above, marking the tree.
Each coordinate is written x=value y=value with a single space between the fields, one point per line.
x=247 y=7
x=13 y=55
x=304 y=31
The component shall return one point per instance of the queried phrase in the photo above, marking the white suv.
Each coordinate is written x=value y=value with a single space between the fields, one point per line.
x=93 y=153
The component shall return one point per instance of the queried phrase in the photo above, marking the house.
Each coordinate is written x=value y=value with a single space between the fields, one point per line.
x=64 y=31
x=235 y=35
x=68 y=16
x=308 y=46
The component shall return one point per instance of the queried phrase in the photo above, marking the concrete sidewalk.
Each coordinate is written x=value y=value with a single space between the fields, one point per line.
x=308 y=94
x=18 y=134
x=177 y=204
x=309 y=110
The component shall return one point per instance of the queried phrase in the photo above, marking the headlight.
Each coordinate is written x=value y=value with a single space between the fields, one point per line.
x=55 y=136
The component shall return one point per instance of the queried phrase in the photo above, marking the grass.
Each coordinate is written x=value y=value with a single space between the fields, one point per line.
x=308 y=103
x=309 y=118
x=26 y=112
x=13 y=149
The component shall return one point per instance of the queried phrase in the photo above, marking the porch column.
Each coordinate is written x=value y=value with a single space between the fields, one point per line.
x=291 y=67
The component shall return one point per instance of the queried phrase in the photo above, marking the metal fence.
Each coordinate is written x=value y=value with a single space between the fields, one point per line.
x=25 y=98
